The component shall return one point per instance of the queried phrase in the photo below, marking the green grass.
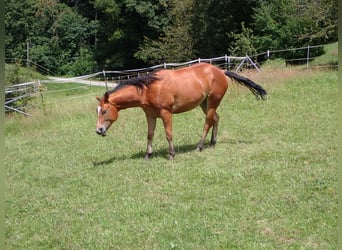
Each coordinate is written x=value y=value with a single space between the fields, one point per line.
x=270 y=182
x=330 y=55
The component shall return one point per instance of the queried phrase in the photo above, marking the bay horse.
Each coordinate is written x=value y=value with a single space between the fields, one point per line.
x=163 y=93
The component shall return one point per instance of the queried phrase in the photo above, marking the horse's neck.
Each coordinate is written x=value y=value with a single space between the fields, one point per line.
x=127 y=97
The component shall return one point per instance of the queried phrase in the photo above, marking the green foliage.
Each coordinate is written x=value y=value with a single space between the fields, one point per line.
x=293 y=24
x=15 y=74
x=12 y=75
x=176 y=43
x=83 y=63
x=68 y=42
x=56 y=34
x=122 y=27
x=242 y=42
x=213 y=19
x=19 y=24
x=125 y=34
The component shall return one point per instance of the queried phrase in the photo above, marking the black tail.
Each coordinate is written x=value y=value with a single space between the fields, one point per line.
x=256 y=89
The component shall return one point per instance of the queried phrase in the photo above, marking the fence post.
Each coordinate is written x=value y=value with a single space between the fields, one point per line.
x=40 y=91
x=104 y=76
x=308 y=57
x=268 y=54
x=226 y=61
x=241 y=63
x=253 y=63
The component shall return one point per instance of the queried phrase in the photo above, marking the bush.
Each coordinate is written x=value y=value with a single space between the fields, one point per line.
x=83 y=64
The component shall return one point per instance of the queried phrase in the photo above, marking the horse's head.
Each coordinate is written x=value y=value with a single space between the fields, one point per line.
x=106 y=115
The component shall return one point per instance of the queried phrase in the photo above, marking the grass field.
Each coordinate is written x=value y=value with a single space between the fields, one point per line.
x=270 y=182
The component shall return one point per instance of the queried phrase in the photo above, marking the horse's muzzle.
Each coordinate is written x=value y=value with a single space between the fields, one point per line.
x=101 y=131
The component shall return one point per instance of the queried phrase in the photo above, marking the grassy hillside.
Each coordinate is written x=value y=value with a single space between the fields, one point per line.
x=328 y=59
x=269 y=183
x=330 y=55
x=15 y=74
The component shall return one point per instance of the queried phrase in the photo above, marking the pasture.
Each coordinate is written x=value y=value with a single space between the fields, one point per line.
x=270 y=182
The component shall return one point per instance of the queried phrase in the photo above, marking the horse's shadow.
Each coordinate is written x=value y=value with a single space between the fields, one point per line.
x=141 y=154
x=182 y=149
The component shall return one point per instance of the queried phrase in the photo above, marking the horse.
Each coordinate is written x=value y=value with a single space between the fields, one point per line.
x=165 y=92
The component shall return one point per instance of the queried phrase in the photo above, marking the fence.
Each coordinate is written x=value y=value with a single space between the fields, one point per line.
x=17 y=96
x=303 y=55
x=20 y=92
x=224 y=62
x=294 y=56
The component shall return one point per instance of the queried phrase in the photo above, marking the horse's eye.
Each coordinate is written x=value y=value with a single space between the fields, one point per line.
x=104 y=112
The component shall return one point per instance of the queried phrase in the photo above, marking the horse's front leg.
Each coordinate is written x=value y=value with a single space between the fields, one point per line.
x=167 y=121
x=151 y=125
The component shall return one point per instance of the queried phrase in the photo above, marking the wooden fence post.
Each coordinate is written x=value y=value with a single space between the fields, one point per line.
x=104 y=76
x=40 y=92
x=308 y=57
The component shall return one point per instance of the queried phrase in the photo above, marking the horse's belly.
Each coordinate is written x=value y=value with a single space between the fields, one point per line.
x=181 y=105
x=183 y=95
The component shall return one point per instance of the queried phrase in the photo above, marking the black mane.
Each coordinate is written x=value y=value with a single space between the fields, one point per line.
x=139 y=82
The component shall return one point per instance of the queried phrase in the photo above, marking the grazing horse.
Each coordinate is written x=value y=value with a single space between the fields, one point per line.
x=166 y=92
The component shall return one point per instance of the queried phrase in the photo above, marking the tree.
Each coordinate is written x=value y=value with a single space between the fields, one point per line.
x=242 y=43
x=45 y=25
x=214 y=19
x=74 y=36
x=123 y=26
x=283 y=24
x=175 y=44
x=63 y=43
x=19 y=26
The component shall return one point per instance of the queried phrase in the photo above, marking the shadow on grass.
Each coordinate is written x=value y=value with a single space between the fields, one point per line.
x=182 y=149
x=141 y=154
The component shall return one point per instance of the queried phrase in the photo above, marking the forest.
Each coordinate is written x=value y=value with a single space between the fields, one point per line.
x=73 y=37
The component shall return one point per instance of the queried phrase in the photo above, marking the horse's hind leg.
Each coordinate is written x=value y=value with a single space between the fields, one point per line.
x=214 y=130
x=212 y=119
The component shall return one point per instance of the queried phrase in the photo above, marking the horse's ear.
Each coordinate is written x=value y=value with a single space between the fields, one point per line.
x=106 y=96
x=98 y=98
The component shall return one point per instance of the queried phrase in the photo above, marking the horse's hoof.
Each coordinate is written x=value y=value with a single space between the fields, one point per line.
x=171 y=157
x=148 y=156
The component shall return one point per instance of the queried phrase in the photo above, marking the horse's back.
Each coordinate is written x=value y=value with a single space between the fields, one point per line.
x=183 y=89
x=203 y=74
x=207 y=77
